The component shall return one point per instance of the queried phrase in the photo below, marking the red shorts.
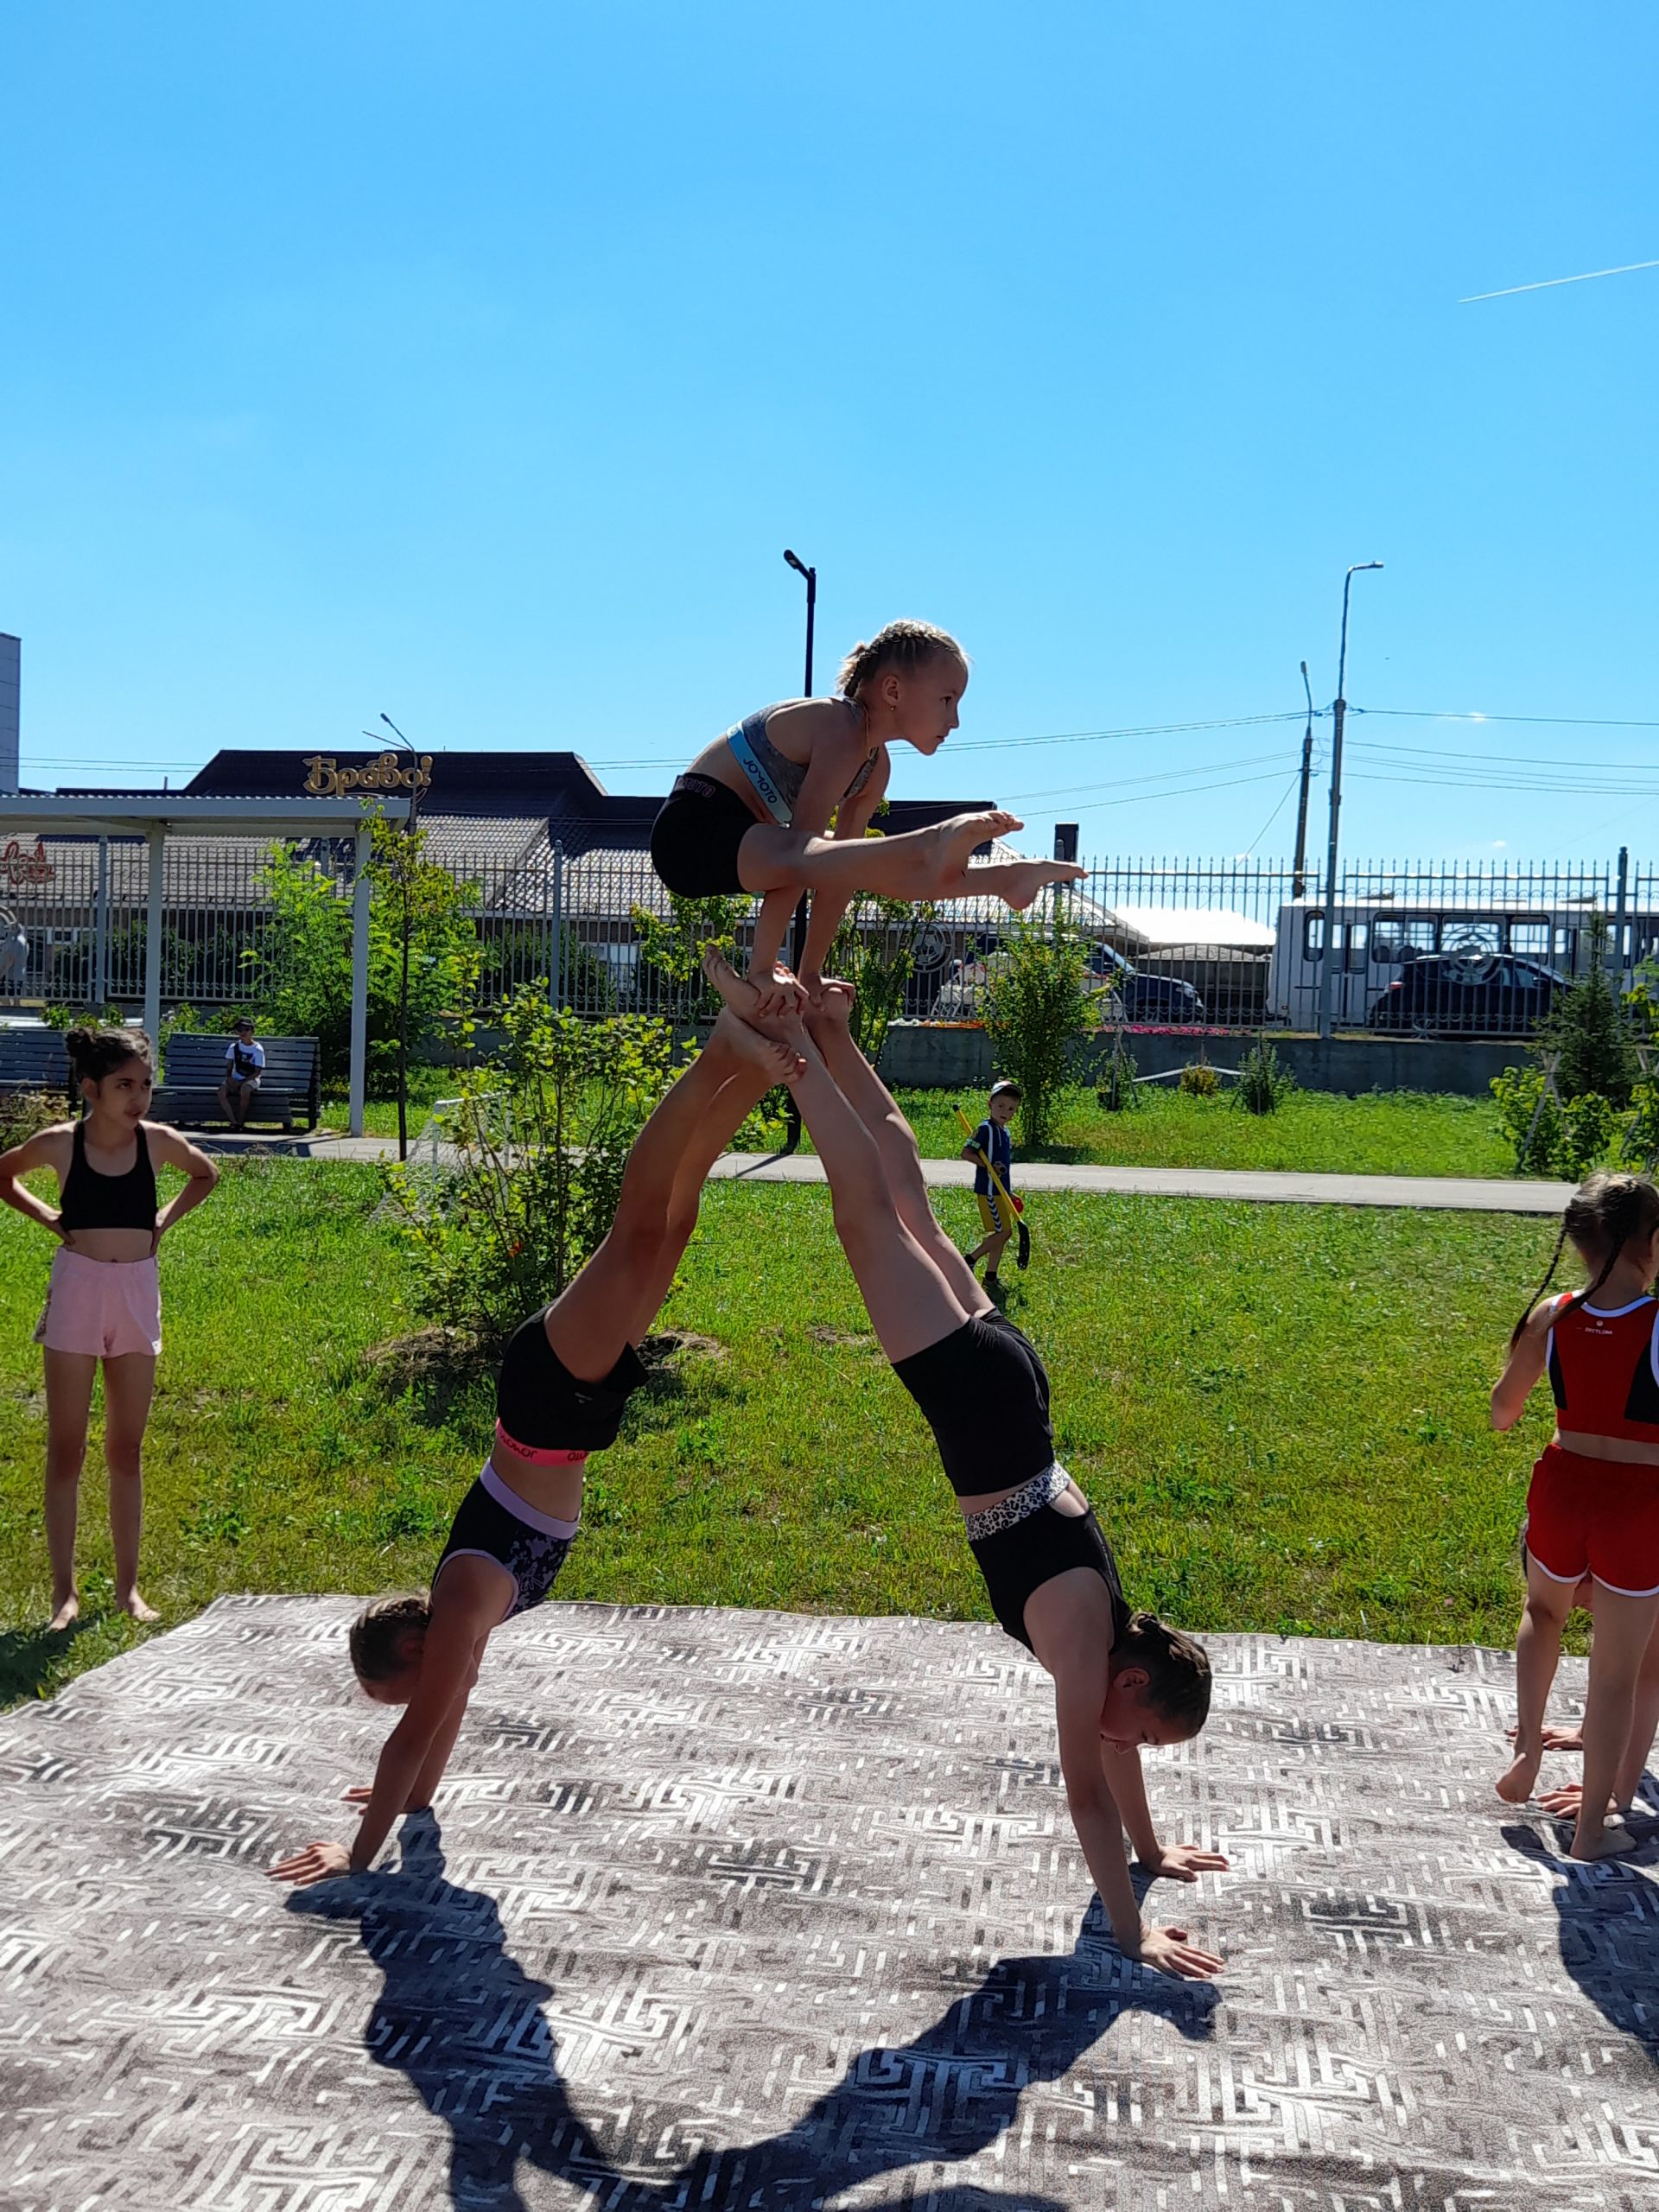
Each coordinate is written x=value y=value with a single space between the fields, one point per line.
x=1595 y=1516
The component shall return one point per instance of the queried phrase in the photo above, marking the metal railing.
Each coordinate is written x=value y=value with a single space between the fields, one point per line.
x=1174 y=943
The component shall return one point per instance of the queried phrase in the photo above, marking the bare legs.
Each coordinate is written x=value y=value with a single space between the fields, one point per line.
x=920 y=864
x=128 y=1384
x=614 y=1301
x=1624 y=1628
x=1537 y=1651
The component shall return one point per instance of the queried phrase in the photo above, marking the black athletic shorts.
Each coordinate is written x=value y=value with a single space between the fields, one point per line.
x=984 y=1394
x=694 y=838
x=544 y=1407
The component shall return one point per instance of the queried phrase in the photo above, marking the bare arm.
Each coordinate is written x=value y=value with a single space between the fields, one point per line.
x=46 y=1148
x=176 y=1151
x=852 y=819
x=1181 y=1862
x=1096 y=1814
x=835 y=755
x=1524 y=1366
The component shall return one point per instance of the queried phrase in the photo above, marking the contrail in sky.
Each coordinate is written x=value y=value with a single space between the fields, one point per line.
x=1589 y=275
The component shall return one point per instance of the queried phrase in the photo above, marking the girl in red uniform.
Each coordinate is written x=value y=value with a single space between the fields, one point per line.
x=1594 y=1504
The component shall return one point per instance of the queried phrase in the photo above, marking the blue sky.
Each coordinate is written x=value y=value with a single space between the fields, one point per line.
x=476 y=364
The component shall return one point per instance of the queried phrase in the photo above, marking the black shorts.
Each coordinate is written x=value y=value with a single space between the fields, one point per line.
x=694 y=838
x=983 y=1392
x=491 y=1523
x=544 y=1407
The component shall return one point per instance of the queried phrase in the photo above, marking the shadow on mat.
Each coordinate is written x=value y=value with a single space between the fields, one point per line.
x=464 y=2021
x=1608 y=1917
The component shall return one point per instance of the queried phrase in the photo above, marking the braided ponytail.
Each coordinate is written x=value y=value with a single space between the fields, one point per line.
x=1602 y=1215
x=902 y=646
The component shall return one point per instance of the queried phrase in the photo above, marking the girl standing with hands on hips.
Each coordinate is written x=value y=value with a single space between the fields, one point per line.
x=754 y=811
x=104 y=1301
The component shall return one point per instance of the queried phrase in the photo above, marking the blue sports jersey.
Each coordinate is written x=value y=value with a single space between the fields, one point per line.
x=995 y=1140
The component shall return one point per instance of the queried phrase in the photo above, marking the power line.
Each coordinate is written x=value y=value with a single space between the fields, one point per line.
x=1556 y=721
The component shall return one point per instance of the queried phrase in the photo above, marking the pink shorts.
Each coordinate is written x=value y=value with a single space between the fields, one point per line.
x=105 y=1307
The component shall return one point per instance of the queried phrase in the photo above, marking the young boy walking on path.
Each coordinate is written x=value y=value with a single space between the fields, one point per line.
x=991 y=1141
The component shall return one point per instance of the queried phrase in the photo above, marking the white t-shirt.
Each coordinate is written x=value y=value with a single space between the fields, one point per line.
x=246 y=1061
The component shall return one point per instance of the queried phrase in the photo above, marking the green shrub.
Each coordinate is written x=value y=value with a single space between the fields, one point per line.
x=874 y=950
x=535 y=1153
x=1199 y=1081
x=674 y=947
x=24 y=1114
x=1264 y=1082
x=1562 y=1137
x=1589 y=1033
x=1038 y=998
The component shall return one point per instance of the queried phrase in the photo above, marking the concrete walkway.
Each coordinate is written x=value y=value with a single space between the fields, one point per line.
x=1454 y=1194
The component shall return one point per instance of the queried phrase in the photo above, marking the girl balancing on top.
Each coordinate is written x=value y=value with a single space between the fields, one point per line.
x=104 y=1301
x=753 y=812
x=1593 y=1507
x=1122 y=1679
x=566 y=1376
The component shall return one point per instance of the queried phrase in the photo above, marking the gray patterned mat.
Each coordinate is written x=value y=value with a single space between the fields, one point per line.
x=726 y=1909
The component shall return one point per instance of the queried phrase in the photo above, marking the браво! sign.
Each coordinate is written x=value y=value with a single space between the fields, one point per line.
x=328 y=780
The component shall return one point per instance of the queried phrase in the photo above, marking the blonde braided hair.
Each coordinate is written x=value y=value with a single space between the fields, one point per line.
x=903 y=645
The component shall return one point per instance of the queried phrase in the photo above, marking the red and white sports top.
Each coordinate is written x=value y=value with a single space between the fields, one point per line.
x=1604 y=1369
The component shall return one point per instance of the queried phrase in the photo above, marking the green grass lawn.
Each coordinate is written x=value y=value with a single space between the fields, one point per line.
x=1382 y=1132
x=1279 y=1413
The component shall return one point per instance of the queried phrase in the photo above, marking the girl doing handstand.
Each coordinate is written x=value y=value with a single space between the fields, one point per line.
x=753 y=812
x=567 y=1375
x=1122 y=1679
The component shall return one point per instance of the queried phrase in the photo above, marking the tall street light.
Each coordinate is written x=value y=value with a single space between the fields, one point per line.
x=403 y=986
x=797 y=933
x=1298 y=869
x=1338 y=712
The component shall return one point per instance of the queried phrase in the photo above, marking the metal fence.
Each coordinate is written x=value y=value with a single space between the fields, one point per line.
x=1172 y=941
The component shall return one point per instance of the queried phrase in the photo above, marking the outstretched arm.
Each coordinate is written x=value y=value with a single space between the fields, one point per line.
x=1179 y=1862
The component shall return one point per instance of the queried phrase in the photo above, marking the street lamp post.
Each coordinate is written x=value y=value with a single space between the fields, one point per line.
x=1338 y=715
x=403 y=986
x=798 y=931
x=1298 y=871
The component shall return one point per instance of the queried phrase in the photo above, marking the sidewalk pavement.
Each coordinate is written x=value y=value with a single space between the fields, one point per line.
x=1457 y=1193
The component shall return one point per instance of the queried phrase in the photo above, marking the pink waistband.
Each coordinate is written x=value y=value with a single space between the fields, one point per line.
x=541 y=1458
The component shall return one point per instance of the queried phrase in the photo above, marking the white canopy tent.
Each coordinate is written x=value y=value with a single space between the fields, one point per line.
x=156 y=816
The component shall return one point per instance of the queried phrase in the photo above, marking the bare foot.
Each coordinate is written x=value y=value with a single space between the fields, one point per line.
x=1516 y=1786
x=1555 y=1740
x=133 y=1604
x=738 y=996
x=776 y=1060
x=66 y=1613
x=1602 y=1842
x=1021 y=881
x=964 y=833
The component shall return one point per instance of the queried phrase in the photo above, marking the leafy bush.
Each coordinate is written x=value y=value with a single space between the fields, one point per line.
x=299 y=973
x=23 y=1113
x=1036 y=999
x=1264 y=1082
x=536 y=1149
x=1563 y=1137
x=674 y=947
x=1198 y=1080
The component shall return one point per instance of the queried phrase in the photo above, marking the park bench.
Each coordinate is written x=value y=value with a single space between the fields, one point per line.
x=33 y=1060
x=188 y=1093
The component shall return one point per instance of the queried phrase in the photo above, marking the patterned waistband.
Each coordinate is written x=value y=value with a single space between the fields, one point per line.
x=558 y=1459
x=1020 y=1505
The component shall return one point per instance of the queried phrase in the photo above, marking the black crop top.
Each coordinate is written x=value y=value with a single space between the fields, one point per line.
x=90 y=1201
x=545 y=1408
x=984 y=1394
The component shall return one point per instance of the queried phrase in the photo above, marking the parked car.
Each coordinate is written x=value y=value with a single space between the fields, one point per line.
x=1151 y=999
x=959 y=998
x=1442 y=992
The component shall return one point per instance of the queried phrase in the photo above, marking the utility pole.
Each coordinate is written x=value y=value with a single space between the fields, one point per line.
x=797 y=933
x=1338 y=713
x=403 y=986
x=1298 y=876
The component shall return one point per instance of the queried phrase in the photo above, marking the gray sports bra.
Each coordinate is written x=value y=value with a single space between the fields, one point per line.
x=778 y=780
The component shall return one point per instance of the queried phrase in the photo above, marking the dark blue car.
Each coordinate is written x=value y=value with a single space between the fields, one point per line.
x=1157 y=1001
